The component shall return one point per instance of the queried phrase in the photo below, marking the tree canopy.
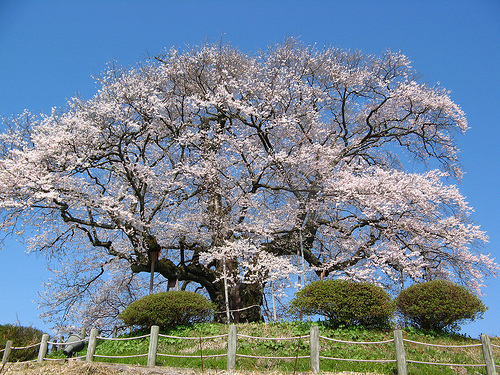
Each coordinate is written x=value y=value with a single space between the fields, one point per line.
x=230 y=166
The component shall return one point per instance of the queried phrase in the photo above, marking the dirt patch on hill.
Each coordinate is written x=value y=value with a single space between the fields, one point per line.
x=86 y=368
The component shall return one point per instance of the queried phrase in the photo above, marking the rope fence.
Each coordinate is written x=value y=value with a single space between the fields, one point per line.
x=489 y=363
x=122 y=339
x=446 y=364
x=232 y=337
x=25 y=347
x=443 y=346
x=356 y=342
x=359 y=360
x=443 y=363
x=272 y=338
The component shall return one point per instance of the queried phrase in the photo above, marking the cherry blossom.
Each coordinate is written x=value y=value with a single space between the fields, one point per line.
x=216 y=160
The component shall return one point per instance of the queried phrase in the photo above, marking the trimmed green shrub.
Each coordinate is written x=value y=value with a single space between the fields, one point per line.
x=439 y=305
x=346 y=303
x=21 y=337
x=168 y=309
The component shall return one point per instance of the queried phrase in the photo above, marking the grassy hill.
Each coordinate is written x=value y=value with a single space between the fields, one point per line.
x=297 y=348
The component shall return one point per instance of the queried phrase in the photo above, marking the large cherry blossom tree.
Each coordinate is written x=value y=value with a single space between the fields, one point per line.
x=227 y=168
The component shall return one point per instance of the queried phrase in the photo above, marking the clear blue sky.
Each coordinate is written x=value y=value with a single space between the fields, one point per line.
x=50 y=49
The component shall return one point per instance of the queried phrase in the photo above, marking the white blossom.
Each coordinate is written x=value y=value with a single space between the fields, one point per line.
x=214 y=156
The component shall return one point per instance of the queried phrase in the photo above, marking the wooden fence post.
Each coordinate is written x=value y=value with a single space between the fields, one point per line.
x=42 y=352
x=231 y=347
x=488 y=355
x=92 y=345
x=400 y=352
x=153 y=345
x=314 y=343
x=6 y=353
x=62 y=340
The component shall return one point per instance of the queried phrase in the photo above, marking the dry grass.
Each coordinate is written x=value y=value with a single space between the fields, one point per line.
x=86 y=368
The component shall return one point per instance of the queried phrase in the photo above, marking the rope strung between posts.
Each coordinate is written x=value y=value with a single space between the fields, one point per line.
x=357 y=342
x=123 y=339
x=67 y=343
x=191 y=338
x=359 y=360
x=123 y=356
x=54 y=359
x=191 y=356
x=60 y=359
x=446 y=364
x=443 y=346
x=237 y=310
x=272 y=338
x=25 y=347
x=259 y=356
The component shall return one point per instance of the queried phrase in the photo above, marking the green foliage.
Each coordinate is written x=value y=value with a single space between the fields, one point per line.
x=346 y=303
x=168 y=309
x=21 y=337
x=257 y=349
x=439 y=305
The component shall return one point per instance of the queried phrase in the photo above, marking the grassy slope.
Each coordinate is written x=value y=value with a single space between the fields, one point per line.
x=300 y=347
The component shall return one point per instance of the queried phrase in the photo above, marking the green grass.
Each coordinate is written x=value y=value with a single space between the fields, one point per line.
x=294 y=348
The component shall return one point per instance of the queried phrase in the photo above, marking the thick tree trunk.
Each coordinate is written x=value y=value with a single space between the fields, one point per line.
x=245 y=303
x=245 y=300
x=248 y=303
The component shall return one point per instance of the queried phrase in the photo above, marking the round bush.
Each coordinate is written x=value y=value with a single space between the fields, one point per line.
x=346 y=303
x=168 y=309
x=439 y=305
